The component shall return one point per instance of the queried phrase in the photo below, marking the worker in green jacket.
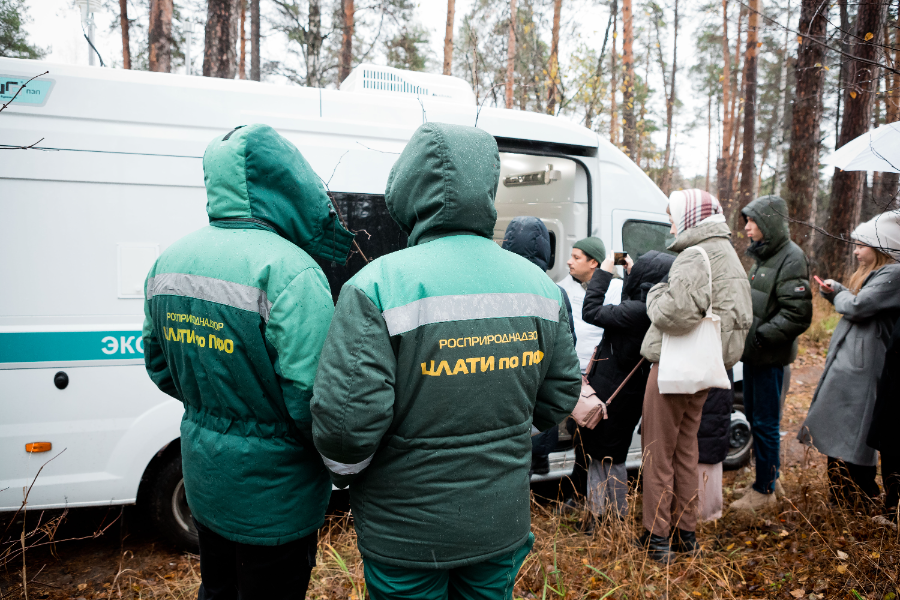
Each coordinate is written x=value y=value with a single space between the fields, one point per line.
x=441 y=360
x=236 y=315
x=782 y=310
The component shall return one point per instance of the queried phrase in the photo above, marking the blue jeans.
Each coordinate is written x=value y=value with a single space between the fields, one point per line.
x=762 y=403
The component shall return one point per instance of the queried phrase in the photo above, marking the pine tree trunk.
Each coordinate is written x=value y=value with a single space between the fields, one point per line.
x=242 y=64
x=314 y=44
x=779 y=110
x=847 y=186
x=748 y=160
x=802 y=185
x=890 y=181
x=160 y=34
x=511 y=53
x=708 y=140
x=347 y=41
x=670 y=108
x=723 y=177
x=126 y=43
x=553 y=91
x=448 y=37
x=628 y=132
x=255 y=73
x=613 y=84
x=220 y=52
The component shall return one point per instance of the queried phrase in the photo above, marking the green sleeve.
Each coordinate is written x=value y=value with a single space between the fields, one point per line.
x=558 y=393
x=794 y=305
x=676 y=306
x=298 y=324
x=154 y=359
x=353 y=400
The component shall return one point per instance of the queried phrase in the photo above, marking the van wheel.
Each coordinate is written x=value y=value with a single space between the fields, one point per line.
x=168 y=507
x=740 y=443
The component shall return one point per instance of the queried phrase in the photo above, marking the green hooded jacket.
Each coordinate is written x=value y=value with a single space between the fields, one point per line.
x=779 y=287
x=439 y=360
x=236 y=315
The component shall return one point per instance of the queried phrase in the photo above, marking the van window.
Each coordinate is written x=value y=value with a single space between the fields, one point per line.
x=640 y=237
x=376 y=233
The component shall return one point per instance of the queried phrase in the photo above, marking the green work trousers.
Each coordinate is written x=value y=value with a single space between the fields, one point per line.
x=487 y=580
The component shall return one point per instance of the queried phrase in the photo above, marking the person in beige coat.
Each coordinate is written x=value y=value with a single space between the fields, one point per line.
x=671 y=421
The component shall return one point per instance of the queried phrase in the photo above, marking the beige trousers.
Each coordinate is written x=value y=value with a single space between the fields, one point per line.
x=669 y=444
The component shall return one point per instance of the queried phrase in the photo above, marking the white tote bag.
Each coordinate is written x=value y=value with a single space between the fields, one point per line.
x=692 y=362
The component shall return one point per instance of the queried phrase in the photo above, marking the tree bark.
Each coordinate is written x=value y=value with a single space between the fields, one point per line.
x=314 y=44
x=160 y=33
x=802 y=185
x=242 y=65
x=347 y=41
x=448 y=37
x=708 y=140
x=613 y=84
x=847 y=186
x=220 y=52
x=126 y=43
x=889 y=181
x=748 y=160
x=842 y=77
x=723 y=176
x=670 y=108
x=779 y=110
x=511 y=54
x=628 y=132
x=553 y=91
x=254 y=41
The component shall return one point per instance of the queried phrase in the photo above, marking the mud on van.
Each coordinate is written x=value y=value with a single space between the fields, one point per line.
x=117 y=177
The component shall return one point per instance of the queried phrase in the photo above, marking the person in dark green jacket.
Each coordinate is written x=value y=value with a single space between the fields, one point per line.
x=782 y=310
x=440 y=361
x=236 y=315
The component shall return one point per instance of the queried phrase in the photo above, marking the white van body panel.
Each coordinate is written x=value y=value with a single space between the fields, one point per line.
x=118 y=177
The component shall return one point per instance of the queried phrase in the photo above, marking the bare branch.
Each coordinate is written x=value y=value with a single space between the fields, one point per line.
x=19 y=91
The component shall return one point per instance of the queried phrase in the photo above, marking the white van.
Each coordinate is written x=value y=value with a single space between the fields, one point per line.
x=116 y=176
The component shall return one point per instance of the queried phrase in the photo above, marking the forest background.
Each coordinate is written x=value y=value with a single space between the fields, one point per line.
x=738 y=97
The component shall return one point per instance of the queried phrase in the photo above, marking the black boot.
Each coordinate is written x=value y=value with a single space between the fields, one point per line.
x=684 y=541
x=656 y=546
x=540 y=464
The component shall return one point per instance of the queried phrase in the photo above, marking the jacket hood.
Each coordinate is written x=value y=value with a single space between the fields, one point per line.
x=444 y=183
x=698 y=233
x=649 y=270
x=255 y=177
x=769 y=214
x=528 y=237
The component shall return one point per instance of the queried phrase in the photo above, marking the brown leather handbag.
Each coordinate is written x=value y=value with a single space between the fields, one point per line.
x=590 y=409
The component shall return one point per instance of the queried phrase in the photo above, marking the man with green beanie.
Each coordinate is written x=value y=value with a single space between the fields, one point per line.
x=440 y=362
x=236 y=315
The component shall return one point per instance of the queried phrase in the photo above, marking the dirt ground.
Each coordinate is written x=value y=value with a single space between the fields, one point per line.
x=805 y=550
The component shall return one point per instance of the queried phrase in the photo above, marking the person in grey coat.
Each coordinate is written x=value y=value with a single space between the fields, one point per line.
x=841 y=412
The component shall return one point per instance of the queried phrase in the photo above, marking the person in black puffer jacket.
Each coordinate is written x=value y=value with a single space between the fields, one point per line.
x=712 y=440
x=528 y=237
x=624 y=327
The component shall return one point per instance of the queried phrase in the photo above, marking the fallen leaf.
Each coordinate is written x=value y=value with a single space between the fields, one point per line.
x=869 y=36
x=696 y=593
x=841 y=555
x=783 y=533
x=730 y=546
x=762 y=536
x=842 y=569
x=875 y=555
x=798 y=593
x=82 y=586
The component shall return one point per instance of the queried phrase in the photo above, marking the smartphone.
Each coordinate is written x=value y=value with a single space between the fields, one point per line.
x=620 y=258
x=822 y=284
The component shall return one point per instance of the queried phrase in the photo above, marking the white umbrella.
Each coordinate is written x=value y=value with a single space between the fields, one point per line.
x=876 y=150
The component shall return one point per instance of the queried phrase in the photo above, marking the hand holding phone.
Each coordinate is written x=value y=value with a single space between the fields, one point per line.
x=619 y=260
x=827 y=288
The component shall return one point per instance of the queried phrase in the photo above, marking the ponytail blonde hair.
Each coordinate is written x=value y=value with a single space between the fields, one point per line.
x=859 y=277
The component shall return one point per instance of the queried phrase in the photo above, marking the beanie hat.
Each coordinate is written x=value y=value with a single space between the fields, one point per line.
x=692 y=207
x=882 y=232
x=593 y=247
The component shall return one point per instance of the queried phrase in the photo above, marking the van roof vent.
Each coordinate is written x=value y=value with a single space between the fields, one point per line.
x=374 y=79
